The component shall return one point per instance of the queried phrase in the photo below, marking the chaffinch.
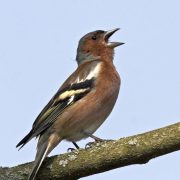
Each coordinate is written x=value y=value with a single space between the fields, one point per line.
x=83 y=102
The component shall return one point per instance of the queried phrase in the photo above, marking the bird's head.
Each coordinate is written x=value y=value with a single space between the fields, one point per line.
x=96 y=45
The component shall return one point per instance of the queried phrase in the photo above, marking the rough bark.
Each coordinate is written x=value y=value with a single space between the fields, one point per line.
x=138 y=149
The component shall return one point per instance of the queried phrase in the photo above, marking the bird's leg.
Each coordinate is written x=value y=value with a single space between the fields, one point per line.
x=72 y=149
x=97 y=139
x=75 y=144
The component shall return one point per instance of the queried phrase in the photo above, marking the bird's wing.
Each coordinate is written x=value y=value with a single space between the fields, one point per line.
x=63 y=99
x=67 y=95
x=77 y=86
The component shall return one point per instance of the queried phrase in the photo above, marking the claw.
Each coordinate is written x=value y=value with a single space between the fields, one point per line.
x=71 y=149
x=95 y=143
x=91 y=144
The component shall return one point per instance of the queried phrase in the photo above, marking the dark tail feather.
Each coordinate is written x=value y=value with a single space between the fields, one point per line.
x=41 y=154
x=25 y=140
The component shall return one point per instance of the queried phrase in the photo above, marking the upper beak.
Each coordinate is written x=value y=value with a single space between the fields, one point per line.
x=107 y=35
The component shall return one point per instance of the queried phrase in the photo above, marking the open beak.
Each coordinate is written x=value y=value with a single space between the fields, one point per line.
x=107 y=35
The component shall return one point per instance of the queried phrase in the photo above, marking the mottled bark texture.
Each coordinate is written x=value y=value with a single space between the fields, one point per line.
x=138 y=149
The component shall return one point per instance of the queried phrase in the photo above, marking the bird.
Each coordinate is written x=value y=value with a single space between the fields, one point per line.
x=83 y=102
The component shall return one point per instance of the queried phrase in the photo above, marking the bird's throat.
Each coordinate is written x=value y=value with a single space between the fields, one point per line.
x=84 y=57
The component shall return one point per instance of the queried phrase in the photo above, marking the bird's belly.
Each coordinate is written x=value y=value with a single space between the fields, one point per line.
x=88 y=123
x=84 y=131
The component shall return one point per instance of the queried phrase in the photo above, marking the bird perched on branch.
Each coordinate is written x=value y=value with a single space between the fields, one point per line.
x=84 y=100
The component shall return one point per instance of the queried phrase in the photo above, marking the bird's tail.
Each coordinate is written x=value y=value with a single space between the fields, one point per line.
x=42 y=152
x=25 y=140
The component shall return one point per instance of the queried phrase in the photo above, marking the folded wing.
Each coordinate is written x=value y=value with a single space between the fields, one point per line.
x=64 y=98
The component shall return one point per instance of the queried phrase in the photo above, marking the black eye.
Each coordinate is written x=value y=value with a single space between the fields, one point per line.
x=94 y=37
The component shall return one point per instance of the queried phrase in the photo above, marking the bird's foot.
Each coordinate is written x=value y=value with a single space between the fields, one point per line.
x=91 y=144
x=71 y=149
x=96 y=143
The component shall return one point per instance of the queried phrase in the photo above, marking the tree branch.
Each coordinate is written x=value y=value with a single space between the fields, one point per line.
x=138 y=149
